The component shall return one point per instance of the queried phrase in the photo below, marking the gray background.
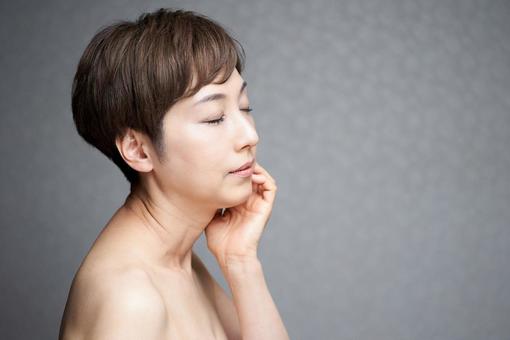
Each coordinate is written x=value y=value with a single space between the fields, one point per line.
x=386 y=125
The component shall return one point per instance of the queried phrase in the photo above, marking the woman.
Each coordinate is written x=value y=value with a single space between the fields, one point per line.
x=164 y=99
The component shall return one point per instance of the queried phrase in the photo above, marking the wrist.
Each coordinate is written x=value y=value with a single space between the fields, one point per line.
x=227 y=260
x=235 y=265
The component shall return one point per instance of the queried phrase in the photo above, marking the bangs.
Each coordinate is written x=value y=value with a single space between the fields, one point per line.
x=214 y=55
x=189 y=52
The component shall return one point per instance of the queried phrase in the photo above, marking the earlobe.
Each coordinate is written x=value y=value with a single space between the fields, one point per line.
x=132 y=149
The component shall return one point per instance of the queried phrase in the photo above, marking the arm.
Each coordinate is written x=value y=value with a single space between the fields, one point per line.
x=222 y=302
x=232 y=237
x=259 y=317
x=126 y=308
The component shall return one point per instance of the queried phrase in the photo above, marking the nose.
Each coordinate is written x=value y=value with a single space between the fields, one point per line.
x=245 y=135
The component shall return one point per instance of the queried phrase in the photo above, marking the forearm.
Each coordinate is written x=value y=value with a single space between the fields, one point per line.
x=258 y=316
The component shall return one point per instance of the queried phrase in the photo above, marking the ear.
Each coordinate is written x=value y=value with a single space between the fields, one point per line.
x=134 y=149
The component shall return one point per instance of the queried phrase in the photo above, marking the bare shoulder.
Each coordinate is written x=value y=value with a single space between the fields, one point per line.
x=116 y=304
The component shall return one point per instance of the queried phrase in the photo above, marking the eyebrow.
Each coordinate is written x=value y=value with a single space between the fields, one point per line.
x=216 y=96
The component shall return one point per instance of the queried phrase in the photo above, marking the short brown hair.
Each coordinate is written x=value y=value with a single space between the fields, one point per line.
x=131 y=73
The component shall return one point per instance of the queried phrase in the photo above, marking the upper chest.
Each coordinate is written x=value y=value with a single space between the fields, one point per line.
x=190 y=306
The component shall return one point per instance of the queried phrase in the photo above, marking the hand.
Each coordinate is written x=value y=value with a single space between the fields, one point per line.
x=236 y=234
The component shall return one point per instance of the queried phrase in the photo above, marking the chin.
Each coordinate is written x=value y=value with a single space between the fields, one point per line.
x=238 y=195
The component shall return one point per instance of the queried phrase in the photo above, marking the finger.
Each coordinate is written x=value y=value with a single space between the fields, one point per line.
x=268 y=190
x=258 y=169
x=269 y=195
x=258 y=178
x=255 y=185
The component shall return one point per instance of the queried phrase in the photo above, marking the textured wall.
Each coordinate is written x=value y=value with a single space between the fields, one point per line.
x=385 y=123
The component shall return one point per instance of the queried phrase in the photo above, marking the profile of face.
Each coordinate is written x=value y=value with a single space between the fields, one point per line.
x=205 y=137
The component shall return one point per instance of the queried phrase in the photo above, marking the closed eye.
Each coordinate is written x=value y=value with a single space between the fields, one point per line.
x=216 y=121
x=222 y=118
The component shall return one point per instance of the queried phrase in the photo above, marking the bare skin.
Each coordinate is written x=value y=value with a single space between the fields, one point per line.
x=183 y=301
x=141 y=279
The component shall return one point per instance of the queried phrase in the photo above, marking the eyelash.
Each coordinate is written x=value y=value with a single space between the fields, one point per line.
x=218 y=121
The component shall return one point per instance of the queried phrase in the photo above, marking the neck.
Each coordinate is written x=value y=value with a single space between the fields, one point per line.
x=174 y=224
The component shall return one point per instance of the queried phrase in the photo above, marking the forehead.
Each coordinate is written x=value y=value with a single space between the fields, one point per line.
x=204 y=98
x=232 y=84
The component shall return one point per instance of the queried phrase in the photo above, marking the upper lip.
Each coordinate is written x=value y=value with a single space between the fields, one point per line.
x=244 y=166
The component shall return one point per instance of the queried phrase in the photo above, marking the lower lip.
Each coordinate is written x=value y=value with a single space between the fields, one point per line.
x=243 y=173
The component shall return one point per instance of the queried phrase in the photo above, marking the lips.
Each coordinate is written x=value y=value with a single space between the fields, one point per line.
x=244 y=166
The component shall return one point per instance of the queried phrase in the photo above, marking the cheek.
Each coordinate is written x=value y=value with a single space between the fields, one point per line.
x=197 y=154
x=195 y=165
x=200 y=159
x=204 y=151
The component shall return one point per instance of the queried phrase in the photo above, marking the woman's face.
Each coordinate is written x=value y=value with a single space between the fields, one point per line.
x=206 y=139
